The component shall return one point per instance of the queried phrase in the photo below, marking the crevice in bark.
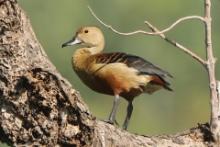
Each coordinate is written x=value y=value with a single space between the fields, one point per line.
x=206 y=131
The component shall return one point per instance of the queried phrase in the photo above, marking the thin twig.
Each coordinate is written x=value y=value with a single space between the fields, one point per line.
x=178 y=45
x=142 y=31
x=214 y=121
x=160 y=33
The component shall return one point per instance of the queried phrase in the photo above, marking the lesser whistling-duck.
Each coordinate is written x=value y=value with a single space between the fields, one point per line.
x=116 y=73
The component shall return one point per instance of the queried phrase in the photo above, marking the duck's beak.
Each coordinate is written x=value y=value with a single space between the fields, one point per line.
x=71 y=42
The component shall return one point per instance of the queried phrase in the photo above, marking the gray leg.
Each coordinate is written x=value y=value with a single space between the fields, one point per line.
x=114 y=109
x=128 y=116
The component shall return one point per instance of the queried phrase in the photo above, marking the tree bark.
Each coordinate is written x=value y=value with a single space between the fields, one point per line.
x=39 y=107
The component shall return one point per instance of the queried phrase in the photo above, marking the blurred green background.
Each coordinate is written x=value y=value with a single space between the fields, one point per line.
x=55 y=21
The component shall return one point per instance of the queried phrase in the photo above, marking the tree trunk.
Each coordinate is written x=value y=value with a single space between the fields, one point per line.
x=39 y=107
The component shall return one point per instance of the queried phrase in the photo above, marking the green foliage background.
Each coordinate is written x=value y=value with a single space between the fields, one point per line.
x=55 y=21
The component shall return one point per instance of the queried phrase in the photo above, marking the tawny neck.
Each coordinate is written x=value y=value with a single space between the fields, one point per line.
x=79 y=59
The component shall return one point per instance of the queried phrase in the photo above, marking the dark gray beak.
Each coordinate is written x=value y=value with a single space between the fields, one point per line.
x=72 y=42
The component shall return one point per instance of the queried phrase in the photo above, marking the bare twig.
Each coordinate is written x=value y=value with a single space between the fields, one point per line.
x=142 y=31
x=160 y=33
x=178 y=45
x=215 y=121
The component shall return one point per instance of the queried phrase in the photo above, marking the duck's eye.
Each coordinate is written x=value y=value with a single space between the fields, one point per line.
x=86 y=31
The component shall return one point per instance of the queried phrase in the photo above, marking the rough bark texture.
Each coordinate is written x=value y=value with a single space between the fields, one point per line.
x=39 y=107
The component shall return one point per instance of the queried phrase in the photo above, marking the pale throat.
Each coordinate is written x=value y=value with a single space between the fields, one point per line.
x=96 y=49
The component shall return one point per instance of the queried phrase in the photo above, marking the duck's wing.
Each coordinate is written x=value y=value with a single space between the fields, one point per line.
x=143 y=66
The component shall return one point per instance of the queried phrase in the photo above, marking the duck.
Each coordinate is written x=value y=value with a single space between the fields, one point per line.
x=118 y=74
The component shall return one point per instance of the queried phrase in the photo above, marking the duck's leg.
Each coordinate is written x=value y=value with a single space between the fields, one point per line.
x=112 y=116
x=128 y=116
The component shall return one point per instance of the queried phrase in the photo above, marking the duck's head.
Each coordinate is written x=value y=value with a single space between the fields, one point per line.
x=90 y=37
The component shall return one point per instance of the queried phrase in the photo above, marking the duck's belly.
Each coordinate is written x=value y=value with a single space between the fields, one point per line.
x=103 y=86
x=95 y=83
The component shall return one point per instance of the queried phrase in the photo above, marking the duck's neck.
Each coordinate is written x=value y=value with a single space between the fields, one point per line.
x=79 y=59
x=96 y=49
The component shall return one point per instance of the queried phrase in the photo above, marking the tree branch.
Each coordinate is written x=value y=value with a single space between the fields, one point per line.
x=145 y=32
x=178 y=45
x=215 y=118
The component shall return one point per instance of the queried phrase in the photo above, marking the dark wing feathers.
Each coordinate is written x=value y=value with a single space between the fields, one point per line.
x=109 y=57
x=143 y=66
